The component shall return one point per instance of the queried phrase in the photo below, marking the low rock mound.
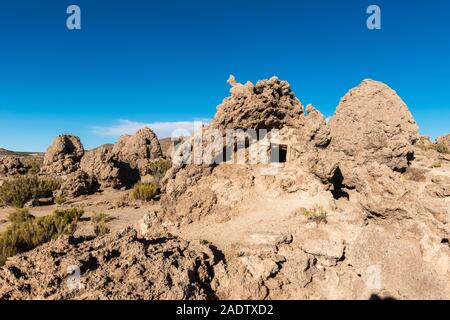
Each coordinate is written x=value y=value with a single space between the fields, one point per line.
x=11 y=165
x=119 y=266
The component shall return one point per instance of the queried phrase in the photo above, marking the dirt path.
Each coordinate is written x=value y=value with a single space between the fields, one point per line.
x=262 y=216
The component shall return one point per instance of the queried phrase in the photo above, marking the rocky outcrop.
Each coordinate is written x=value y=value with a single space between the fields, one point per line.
x=270 y=104
x=11 y=165
x=76 y=184
x=372 y=143
x=372 y=123
x=118 y=166
x=138 y=150
x=424 y=142
x=114 y=267
x=103 y=166
x=63 y=156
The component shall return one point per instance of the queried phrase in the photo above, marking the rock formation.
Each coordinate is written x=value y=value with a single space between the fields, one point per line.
x=138 y=150
x=372 y=123
x=116 y=166
x=62 y=161
x=355 y=208
x=270 y=104
x=103 y=166
x=119 y=266
x=63 y=156
x=11 y=165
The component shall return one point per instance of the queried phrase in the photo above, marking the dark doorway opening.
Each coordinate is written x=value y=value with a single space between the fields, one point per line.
x=278 y=153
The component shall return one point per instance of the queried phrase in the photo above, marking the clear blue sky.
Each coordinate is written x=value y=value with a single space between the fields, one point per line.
x=163 y=61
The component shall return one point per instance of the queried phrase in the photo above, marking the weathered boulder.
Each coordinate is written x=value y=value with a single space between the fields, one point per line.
x=138 y=150
x=63 y=156
x=76 y=184
x=102 y=165
x=11 y=165
x=373 y=123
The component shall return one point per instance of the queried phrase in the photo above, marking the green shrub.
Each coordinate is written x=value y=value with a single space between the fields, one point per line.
x=33 y=164
x=439 y=147
x=145 y=191
x=317 y=214
x=158 y=168
x=442 y=148
x=19 y=216
x=99 y=220
x=19 y=190
x=26 y=232
x=60 y=200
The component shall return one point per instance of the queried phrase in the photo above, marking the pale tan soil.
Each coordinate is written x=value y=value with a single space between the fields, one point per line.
x=261 y=216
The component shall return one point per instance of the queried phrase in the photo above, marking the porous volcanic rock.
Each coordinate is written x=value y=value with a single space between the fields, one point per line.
x=76 y=184
x=373 y=137
x=270 y=104
x=138 y=150
x=192 y=191
x=373 y=123
x=63 y=156
x=11 y=165
x=103 y=166
x=117 y=266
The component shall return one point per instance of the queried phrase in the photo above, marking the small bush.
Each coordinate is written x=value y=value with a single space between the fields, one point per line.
x=99 y=220
x=19 y=216
x=33 y=164
x=145 y=191
x=317 y=214
x=439 y=147
x=60 y=200
x=26 y=232
x=19 y=190
x=442 y=148
x=158 y=168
